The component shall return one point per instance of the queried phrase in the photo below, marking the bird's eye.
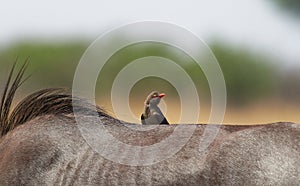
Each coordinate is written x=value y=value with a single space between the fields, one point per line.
x=154 y=96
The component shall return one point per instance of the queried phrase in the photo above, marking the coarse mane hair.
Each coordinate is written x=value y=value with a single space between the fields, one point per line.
x=50 y=101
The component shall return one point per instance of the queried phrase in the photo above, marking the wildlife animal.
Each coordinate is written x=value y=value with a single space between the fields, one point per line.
x=41 y=144
x=152 y=114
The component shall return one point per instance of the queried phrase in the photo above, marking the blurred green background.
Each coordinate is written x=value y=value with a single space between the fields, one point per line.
x=259 y=88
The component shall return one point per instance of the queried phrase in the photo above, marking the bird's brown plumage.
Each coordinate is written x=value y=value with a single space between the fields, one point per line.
x=152 y=114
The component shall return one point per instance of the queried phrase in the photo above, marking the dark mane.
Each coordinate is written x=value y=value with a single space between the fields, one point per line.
x=55 y=101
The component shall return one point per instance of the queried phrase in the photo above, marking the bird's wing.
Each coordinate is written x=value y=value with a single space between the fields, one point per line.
x=164 y=122
x=143 y=119
x=159 y=118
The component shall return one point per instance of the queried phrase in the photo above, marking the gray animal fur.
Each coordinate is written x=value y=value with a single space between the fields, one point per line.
x=46 y=148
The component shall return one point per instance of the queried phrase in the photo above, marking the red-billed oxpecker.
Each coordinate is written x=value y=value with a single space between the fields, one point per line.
x=152 y=114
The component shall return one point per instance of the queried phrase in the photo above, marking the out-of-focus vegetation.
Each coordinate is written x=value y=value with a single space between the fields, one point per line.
x=146 y=85
x=292 y=6
x=250 y=77
x=51 y=64
x=289 y=86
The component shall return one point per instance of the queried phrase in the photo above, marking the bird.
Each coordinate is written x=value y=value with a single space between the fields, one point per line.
x=152 y=114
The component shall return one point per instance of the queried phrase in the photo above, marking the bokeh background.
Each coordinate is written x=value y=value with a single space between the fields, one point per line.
x=257 y=44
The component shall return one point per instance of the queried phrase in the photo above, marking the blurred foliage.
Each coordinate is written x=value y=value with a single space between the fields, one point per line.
x=51 y=64
x=289 y=89
x=248 y=75
x=293 y=6
x=136 y=51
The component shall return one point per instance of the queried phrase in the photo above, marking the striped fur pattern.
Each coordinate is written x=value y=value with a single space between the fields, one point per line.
x=42 y=145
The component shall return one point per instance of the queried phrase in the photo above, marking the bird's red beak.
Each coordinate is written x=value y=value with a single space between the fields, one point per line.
x=161 y=95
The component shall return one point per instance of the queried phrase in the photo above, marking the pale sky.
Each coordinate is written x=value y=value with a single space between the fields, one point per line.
x=254 y=23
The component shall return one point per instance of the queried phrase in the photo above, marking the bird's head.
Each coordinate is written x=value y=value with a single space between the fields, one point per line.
x=154 y=98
